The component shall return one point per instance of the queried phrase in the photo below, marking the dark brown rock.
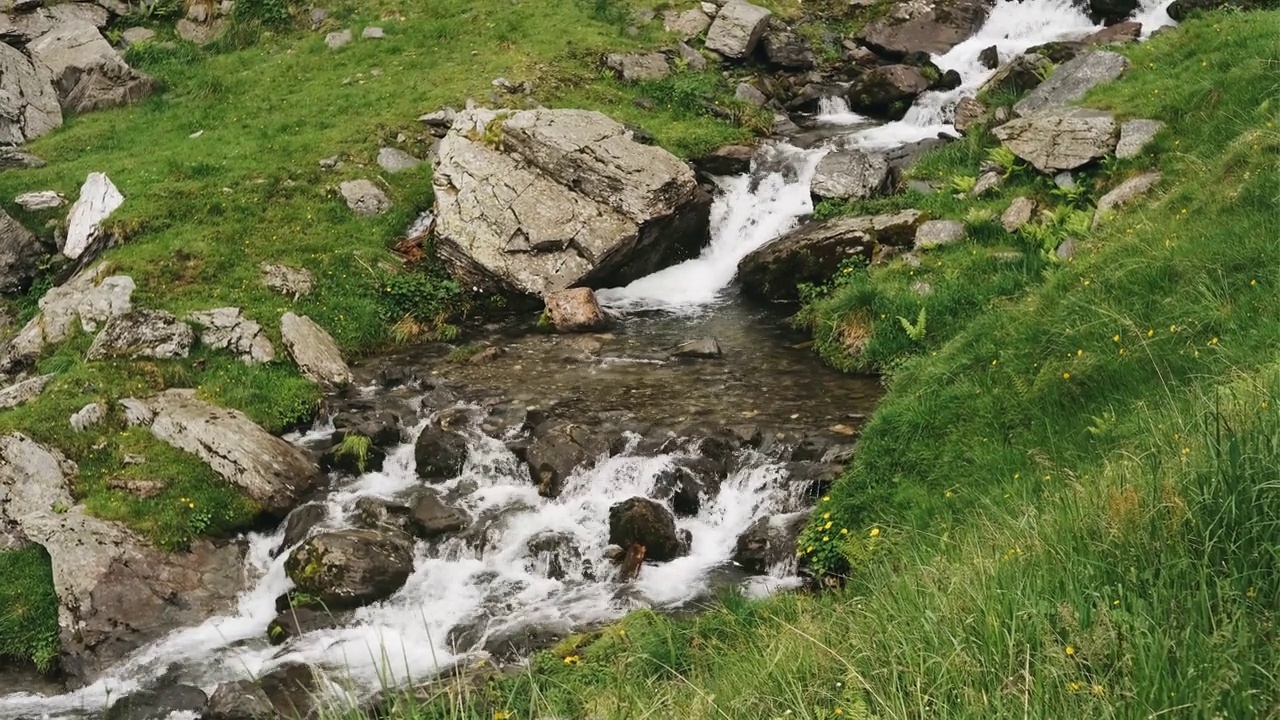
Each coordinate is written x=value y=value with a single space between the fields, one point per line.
x=641 y=521
x=887 y=91
x=439 y=453
x=351 y=568
x=931 y=28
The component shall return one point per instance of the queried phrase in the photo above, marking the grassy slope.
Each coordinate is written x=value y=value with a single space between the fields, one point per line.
x=203 y=212
x=1067 y=504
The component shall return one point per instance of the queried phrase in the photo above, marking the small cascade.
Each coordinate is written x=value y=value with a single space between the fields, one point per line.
x=834 y=111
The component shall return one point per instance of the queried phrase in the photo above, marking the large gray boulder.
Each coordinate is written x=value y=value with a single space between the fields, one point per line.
x=273 y=473
x=99 y=198
x=1072 y=80
x=737 y=29
x=115 y=592
x=227 y=329
x=143 y=334
x=21 y=253
x=28 y=104
x=924 y=27
x=88 y=73
x=811 y=253
x=88 y=300
x=1062 y=139
x=315 y=352
x=20 y=27
x=541 y=200
x=850 y=175
x=350 y=568
x=887 y=91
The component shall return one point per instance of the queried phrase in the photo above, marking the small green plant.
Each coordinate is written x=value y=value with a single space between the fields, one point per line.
x=916 y=331
x=962 y=184
x=355 y=447
x=463 y=354
x=1045 y=71
x=1004 y=158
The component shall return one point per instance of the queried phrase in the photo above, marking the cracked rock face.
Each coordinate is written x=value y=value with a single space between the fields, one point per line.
x=226 y=329
x=143 y=334
x=1062 y=139
x=541 y=200
x=28 y=104
x=21 y=253
x=89 y=298
x=88 y=73
x=850 y=175
x=1072 y=80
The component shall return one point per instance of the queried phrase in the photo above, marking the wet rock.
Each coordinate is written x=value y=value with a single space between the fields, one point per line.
x=887 y=91
x=814 y=476
x=394 y=160
x=1071 y=81
x=1117 y=34
x=559 y=450
x=89 y=416
x=1135 y=135
x=1124 y=194
x=749 y=94
x=990 y=58
x=315 y=352
x=969 y=114
x=641 y=521
x=292 y=691
x=638 y=67
x=351 y=568
x=24 y=391
x=439 y=453
x=737 y=29
x=725 y=161
x=937 y=233
x=702 y=348
x=382 y=427
x=226 y=329
x=1017 y=76
x=1062 y=139
x=1112 y=11
x=300 y=523
x=286 y=280
x=338 y=39
x=687 y=24
x=115 y=591
x=296 y=622
x=142 y=334
x=430 y=518
x=574 y=311
x=42 y=200
x=554 y=554
x=850 y=175
x=364 y=198
x=569 y=199
x=930 y=28
x=88 y=74
x=159 y=704
x=769 y=542
x=240 y=700
x=269 y=470
x=687 y=482
x=1018 y=214
x=353 y=459
x=98 y=199
x=811 y=253
x=21 y=255
x=787 y=50
x=30 y=106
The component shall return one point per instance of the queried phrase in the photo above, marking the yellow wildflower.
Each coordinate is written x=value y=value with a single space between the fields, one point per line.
x=826 y=516
x=809 y=549
x=1151 y=333
x=1098 y=690
x=875 y=532
x=827 y=526
x=1253 y=282
x=572 y=660
x=826 y=538
x=826 y=498
x=1066 y=376
x=1071 y=650
x=502 y=715
x=191 y=505
x=1115 y=338
x=1073 y=687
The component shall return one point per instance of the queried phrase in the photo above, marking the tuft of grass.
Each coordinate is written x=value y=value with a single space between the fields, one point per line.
x=356 y=447
x=28 y=608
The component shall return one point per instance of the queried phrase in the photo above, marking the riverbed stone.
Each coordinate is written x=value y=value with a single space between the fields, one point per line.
x=239 y=700
x=88 y=74
x=560 y=449
x=788 y=50
x=702 y=348
x=1060 y=139
x=737 y=29
x=812 y=252
x=644 y=522
x=769 y=542
x=1135 y=135
x=568 y=198
x=99 y=198
x=296 y=622
x=227 y=329
x=887 y=91
x=430 y=518
x=1018 y=213
x=439 y=452
x=574 y=311
x=348 y=569
x=21 y=255
x=726 y=160
x=933 y=28
x=364 y=198
x=115 y=591
x=850 y=175
x=142 y=333
x=315 y=352
x=269 y=470
x=28 y=103
x=158 y=703
x=1124 y=194
x=1071 y=81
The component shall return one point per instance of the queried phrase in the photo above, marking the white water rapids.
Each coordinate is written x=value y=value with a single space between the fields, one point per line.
x=406 y=637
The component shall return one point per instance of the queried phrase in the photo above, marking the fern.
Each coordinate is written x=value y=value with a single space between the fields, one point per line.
x=917 y=330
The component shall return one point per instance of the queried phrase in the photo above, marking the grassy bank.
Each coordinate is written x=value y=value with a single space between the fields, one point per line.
x=1067 y=504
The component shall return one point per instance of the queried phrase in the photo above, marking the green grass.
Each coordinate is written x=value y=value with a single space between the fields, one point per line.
x=28 y=608
x=1068 y=503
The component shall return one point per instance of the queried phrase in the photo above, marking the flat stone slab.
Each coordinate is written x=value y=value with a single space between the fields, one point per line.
x=1060 y=139
x=1072 y=80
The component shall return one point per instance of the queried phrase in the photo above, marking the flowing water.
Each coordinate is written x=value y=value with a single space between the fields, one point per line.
x=463 y=593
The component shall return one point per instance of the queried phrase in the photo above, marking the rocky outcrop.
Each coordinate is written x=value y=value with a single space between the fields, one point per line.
x=789 y=51
x=541 y=200
x=115 y=592
x=88 y=300
x=1062 y=139
x=933 y=28
x=20 y=26
x=21 y=254
x=315 y=352
x=28 y=104
x=273 y=473
x=850 y=175
x=887 y=91
x=1071 y=81
x=641 y=521
x=737 y=29
x=769 y=542
x=1123 y=194
x=638 y=67
x=88 y=74
x=811 y=253
x=575 y=310
x=142 y=334
x=1135 y=135
x=351 y=568
x=226 y=329
x=289 y=281
x=561 y=449
x=98 y=199
x=23 y=392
